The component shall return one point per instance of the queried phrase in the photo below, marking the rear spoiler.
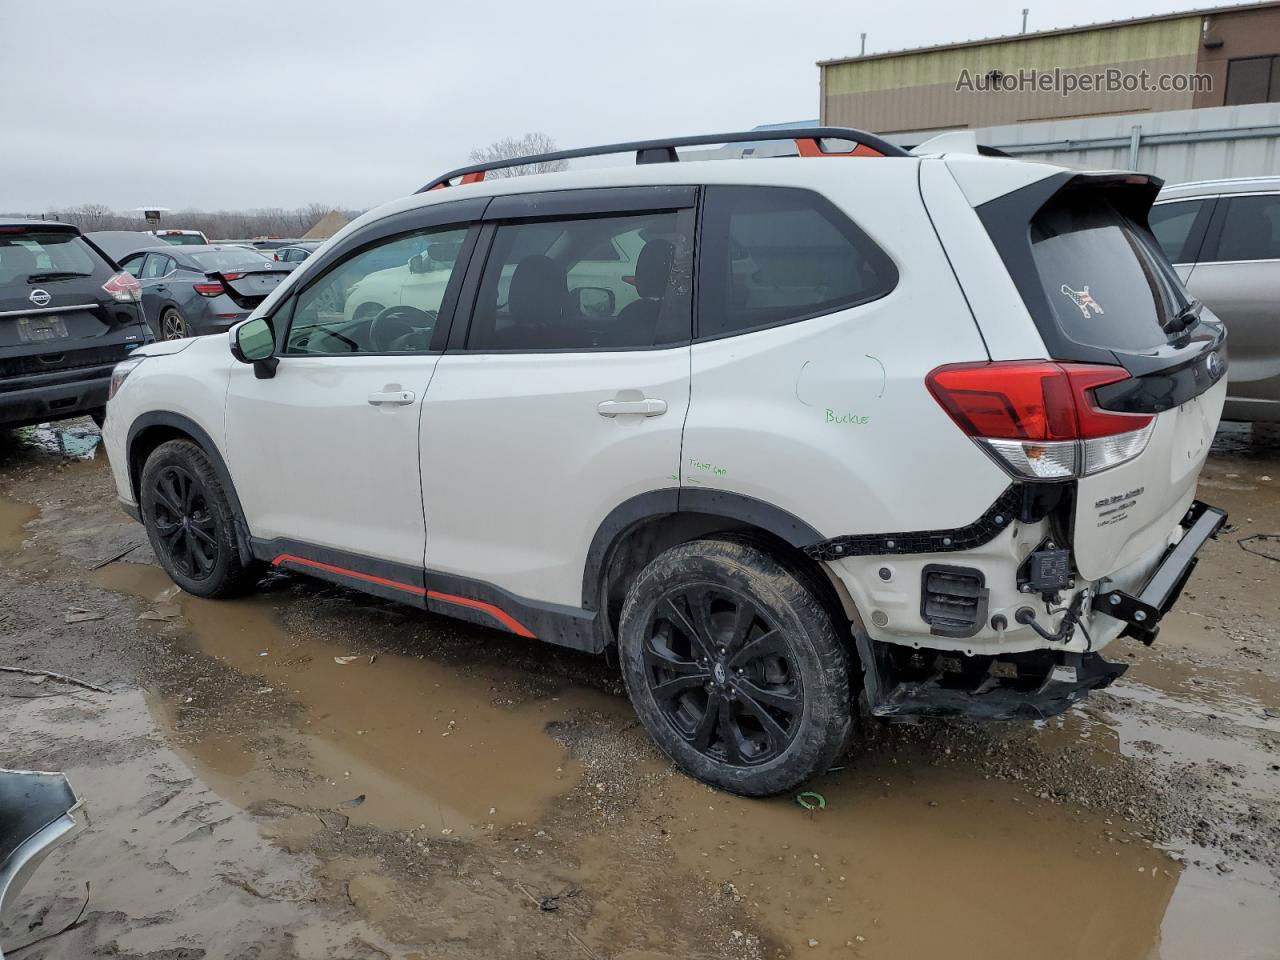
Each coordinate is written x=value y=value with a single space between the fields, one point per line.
x=245 y=301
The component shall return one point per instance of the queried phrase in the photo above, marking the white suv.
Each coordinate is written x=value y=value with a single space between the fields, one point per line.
x=787 y=433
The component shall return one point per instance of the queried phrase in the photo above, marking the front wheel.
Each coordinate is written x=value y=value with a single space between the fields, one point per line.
x=735 y=667
x=190 y=523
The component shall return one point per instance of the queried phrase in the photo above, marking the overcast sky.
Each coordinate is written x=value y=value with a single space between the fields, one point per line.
x=279 y=103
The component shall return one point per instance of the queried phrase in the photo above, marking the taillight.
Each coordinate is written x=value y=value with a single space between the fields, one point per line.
x=209 y=289
x=1041 y=419
x=123 y=287
x=232 y=276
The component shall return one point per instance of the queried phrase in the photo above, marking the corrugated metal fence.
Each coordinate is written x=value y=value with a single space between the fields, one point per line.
x=1178 y=145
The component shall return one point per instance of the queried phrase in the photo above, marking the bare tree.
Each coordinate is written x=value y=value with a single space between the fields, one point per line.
x=215 y=224
x=508 y=148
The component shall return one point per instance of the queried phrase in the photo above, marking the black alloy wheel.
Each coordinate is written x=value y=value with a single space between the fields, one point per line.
x=722 y=673
x=183 y=522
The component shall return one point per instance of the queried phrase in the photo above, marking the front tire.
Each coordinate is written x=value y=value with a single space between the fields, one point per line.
x=190 y=522
x=735 y=667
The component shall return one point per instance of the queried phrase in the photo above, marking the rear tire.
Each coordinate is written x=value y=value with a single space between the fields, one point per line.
x=173 y=325
x=735 y=667
x=190 y=522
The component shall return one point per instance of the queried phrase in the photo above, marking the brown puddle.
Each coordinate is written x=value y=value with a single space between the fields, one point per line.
x=424 y=744
x=907 y=862
x=14 y=517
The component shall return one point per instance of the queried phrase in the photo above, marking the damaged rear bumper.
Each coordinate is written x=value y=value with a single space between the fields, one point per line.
x=901 y=682
x=1143 y=613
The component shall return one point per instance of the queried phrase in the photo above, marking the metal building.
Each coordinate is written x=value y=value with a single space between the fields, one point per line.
x=1207 y=58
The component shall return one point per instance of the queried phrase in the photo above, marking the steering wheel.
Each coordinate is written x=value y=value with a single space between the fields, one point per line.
x=395 y=327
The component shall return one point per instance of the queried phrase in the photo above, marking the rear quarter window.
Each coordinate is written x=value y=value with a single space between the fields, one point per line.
x=772 y=255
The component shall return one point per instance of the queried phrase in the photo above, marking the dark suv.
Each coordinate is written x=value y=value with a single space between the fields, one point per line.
x=68 y=314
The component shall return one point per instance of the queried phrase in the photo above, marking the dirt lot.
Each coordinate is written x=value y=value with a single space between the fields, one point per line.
x=456 y=792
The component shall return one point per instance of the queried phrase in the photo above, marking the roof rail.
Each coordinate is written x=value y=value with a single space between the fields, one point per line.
x=808 y=143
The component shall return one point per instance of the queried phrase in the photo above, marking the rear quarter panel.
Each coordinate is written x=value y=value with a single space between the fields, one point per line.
x=829 y=418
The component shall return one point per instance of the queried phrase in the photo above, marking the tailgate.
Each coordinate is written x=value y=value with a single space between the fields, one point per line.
x=1101 y=292
x=1125 y=512
x=248 y=288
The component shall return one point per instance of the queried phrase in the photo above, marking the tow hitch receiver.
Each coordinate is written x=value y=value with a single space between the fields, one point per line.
x=1143 y=612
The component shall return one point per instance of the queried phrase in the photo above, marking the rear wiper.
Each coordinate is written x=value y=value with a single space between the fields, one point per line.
x=56 y=275
x=1188 y=315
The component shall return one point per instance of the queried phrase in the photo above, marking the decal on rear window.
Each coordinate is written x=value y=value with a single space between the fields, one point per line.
x=1084 y=300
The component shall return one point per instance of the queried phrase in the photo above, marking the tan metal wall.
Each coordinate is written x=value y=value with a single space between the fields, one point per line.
x=917 y=91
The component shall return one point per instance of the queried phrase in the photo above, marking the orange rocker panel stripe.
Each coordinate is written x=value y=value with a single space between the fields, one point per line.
x=504 y=618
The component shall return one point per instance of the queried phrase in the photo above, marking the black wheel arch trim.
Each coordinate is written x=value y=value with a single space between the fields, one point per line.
x=166 y=418
x=675 y=500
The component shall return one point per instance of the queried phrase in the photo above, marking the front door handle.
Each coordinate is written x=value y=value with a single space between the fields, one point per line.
x=647 y=407
x=391 y=397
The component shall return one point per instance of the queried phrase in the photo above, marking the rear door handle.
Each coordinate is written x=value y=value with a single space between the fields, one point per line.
x=396 y=398
x=648 y=407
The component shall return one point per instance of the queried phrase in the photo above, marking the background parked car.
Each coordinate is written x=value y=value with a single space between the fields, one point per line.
x=297 y=252
x=67 y=316
x=180 y=237
x=1224 y=238
x=193 y=290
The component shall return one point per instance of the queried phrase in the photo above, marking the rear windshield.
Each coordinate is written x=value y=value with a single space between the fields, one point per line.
x=221 y=260
x=45 y=258
x=183 y=239
x=1107 y=280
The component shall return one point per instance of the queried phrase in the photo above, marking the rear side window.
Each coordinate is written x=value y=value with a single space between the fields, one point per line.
x=1250 y=229
x=1108 y=284
x=45 y=257
x=157 y=265
x=773 y=255
x=1171 y=223
x=564 y=285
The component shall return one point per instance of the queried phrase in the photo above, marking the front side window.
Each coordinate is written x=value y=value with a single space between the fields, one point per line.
x=773 y=255
x=384 y=299
x=133 y=264
x=1171 y=223
x=1250 y=229
x=566 y=285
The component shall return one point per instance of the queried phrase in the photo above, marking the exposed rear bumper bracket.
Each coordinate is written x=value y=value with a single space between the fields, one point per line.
x=1031 y=686
x=1143 y=612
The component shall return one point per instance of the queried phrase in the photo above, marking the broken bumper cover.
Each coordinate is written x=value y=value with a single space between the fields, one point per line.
x=1144 y=612
x=900 y=682
x=38 y=811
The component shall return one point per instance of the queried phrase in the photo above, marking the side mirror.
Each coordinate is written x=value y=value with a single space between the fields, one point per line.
x=418 y=264
x=594 y=302
x=255 y=342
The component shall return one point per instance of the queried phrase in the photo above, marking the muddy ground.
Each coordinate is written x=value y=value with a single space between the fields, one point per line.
x=310 y=773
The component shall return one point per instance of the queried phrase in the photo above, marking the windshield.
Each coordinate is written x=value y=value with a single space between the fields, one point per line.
x=46 y=256
x=1105 y=277
x=222 y=260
